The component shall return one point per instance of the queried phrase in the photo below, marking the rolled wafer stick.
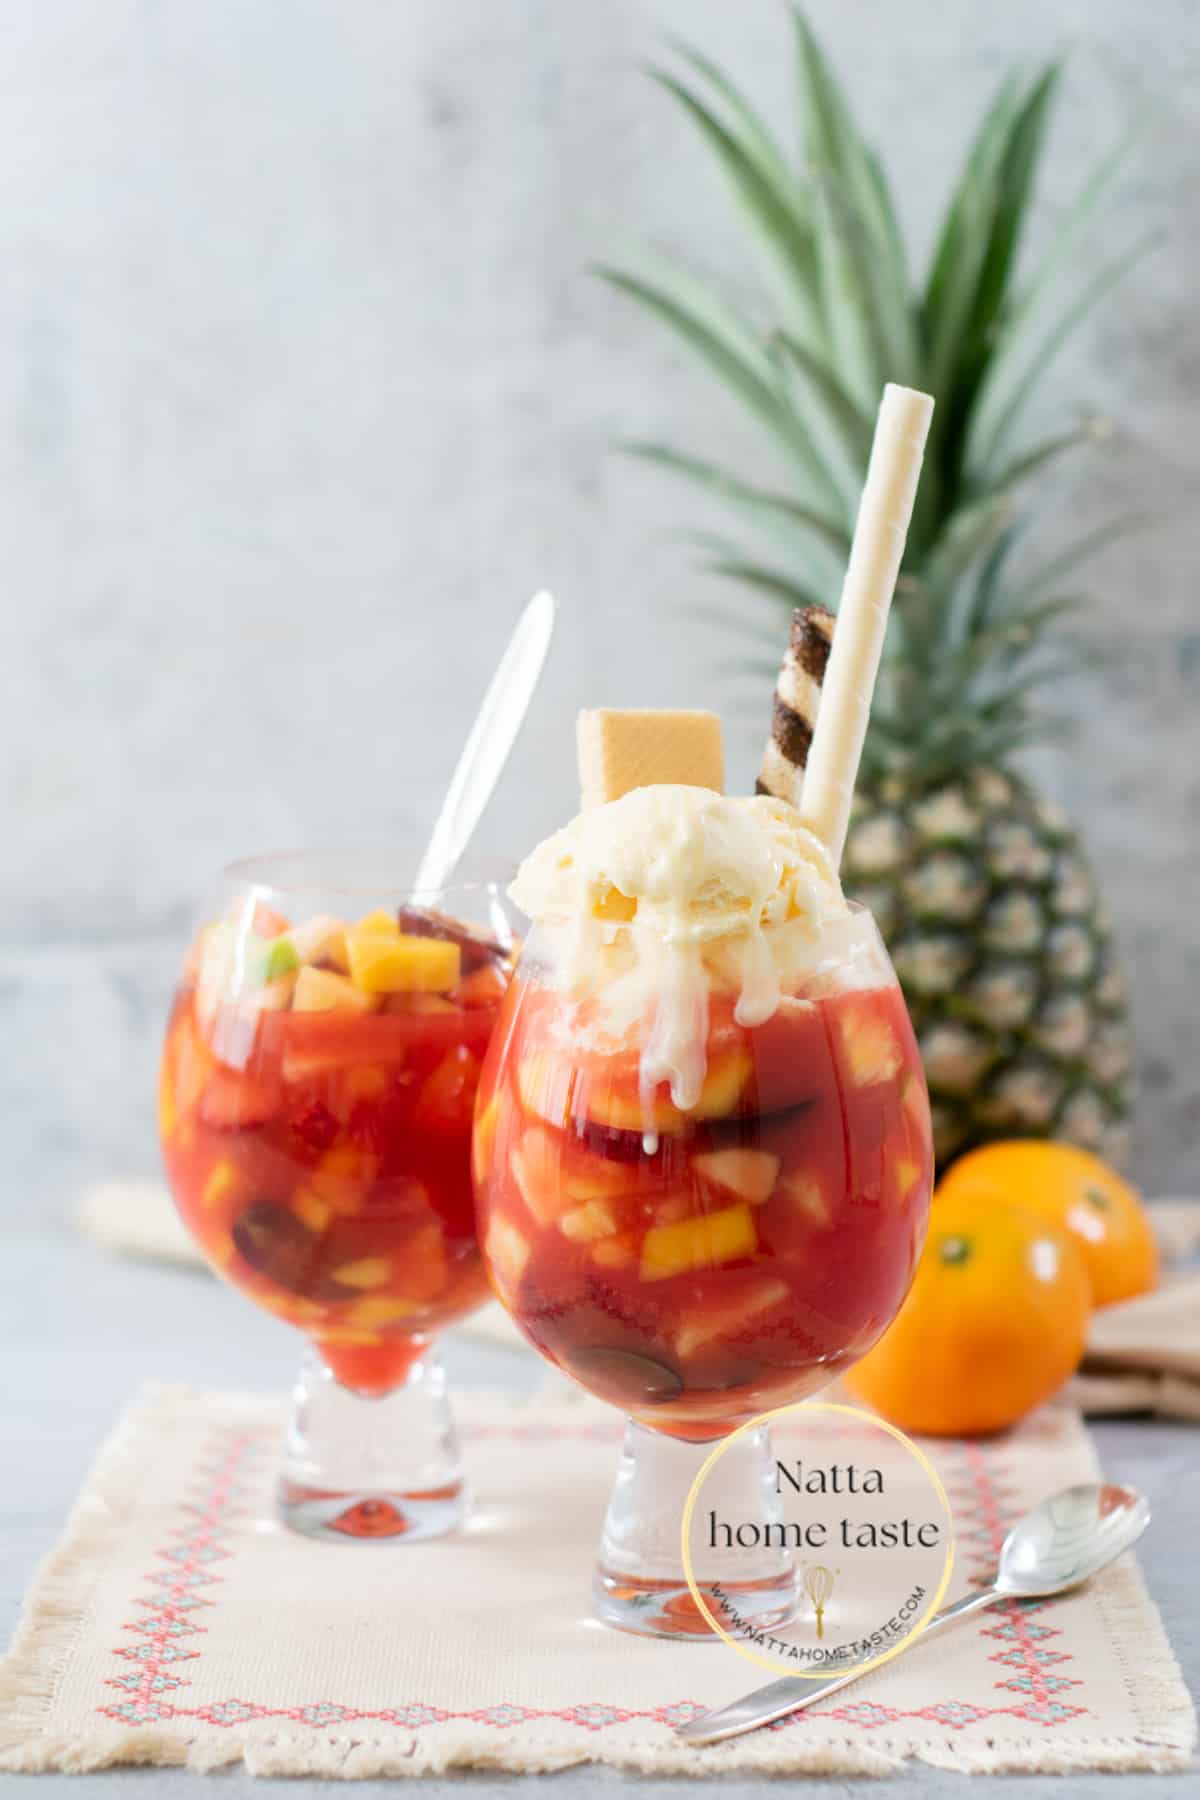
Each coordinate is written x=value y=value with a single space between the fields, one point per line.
x=797 y=696
x=875 y=555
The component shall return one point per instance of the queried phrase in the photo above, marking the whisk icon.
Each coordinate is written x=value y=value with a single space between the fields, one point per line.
x=818 y=1585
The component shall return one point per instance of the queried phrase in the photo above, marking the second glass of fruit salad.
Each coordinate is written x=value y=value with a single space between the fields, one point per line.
x=702 y=1158
x=315 y=1105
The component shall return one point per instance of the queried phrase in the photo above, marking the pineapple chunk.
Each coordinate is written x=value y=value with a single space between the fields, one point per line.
x=365 y=1272
x=507 y=1251
x=535 y=1167
x=220 y=1184
x=722 y=1089
x=702 y=1243
x=389 y=963
x=483 y=1140
x=710 y=1322
x=807 y=1196
x=600 y=1178
x=319 y=990
x=584 y=1224
x=546 y=1086
x=614 y=1252
x=869 y=1045
x=322 y=939
x=750 y=1174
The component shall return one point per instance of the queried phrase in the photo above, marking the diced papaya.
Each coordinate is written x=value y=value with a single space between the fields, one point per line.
x=446 y=1099
x=506 y=1250
x=700 y=1243
x=389 y=963
x=708 y=1323
x=750 y=1174
x=484 y=987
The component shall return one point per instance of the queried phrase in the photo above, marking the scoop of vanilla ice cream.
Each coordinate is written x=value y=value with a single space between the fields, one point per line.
x=699 y=865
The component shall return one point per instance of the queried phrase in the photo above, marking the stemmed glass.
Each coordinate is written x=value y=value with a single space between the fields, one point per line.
x=697 y=1268
x=315 y=1103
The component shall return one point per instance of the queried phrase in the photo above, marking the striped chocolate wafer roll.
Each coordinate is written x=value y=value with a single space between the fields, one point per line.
x=797 y=696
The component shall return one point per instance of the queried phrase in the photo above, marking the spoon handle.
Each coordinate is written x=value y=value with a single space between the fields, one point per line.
x=780 y=1698
x=486 y=750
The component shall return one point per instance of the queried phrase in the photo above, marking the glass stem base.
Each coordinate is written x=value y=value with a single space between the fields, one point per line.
x=363 y=1468
x=640 y=1584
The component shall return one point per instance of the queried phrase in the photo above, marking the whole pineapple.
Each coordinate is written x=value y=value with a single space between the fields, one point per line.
x=980 y=888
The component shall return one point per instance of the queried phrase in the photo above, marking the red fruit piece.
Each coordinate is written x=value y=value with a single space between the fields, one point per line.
x=315 y=1125
x=447 y=1097
x=233 y=1102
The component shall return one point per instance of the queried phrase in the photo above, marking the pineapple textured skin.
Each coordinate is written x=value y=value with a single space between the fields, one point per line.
x=988 y=906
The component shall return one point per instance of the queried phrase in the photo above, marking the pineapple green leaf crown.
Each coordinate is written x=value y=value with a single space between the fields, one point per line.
x=966 y=651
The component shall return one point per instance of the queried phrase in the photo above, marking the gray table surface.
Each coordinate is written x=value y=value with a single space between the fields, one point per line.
x=81 y=1329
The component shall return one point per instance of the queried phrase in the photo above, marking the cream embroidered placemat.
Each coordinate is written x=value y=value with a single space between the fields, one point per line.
x=176 y=1623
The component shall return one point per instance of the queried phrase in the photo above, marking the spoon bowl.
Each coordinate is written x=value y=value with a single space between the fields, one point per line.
x=1068 y=1537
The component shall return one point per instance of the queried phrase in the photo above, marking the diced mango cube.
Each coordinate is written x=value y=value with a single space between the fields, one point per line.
x=701 y=1243
x=391 y=963
x=719 y=1095
x=379 y=921
x=507 y=1251
x=365 y=1272
x=708 y=1323
x=320 y=990
x=583 y=1224
x=750 y=1174
x=220 y=1183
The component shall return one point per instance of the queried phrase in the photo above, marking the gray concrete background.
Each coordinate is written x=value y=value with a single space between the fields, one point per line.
x=304 y=387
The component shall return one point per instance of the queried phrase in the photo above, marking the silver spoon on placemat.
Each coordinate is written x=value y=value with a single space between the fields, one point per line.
x=1062 y=1542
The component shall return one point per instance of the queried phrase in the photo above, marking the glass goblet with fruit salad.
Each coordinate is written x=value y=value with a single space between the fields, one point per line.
x=702 y=1157
x=315 y=1105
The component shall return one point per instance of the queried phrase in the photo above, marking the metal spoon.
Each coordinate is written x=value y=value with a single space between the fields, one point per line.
x=1069 y=1537
x=486 y=750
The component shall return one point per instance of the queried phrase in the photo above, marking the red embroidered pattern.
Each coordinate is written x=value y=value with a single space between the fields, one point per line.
x=168 y=1631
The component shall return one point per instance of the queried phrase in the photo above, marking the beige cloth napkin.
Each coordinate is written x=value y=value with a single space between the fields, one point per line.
x=174 y=1623
x=1142 y=1355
